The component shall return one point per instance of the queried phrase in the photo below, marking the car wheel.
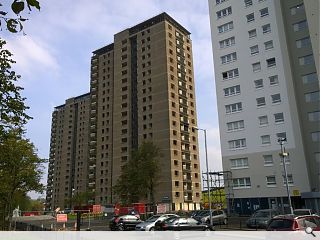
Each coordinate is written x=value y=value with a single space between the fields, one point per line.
x=151 y=229
x=121 y=227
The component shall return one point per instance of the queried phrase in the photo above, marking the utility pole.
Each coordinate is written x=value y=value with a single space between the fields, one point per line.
x=283 y=156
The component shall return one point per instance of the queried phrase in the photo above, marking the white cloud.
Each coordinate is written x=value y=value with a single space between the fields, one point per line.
x=32 y=56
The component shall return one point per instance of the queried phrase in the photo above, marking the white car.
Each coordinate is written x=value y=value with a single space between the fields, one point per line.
x=149 y=224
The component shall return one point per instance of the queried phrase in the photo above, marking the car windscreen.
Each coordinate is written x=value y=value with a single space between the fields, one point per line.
x=152 y=219
x=280 y=224
x=301 y=212
x=261 y=214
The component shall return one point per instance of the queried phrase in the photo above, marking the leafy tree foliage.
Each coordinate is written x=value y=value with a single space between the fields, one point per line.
x=18 y=7
x=80 y=199
x=12 y=107
x=20 y=170
x=139 y=175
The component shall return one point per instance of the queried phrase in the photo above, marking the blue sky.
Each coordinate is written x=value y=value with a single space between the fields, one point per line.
x=54 y=57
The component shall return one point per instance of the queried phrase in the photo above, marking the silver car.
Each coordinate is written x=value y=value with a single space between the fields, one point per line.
x=149 y=224
x=218 y=217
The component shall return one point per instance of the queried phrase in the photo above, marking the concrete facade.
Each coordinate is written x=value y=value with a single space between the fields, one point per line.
x=263 y=93
x=142 y=89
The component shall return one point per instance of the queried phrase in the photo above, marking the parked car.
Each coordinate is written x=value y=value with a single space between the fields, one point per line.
x=301 y=212
x=185 y=224
x=125 y=222
x=218 y=217
x=149 y=224
x=158 y=226
x=294 y=223
x=261 y=218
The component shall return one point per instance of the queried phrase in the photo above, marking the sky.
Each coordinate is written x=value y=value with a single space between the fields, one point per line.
x=54 y=58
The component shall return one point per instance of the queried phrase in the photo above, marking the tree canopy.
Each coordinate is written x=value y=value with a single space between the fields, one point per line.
x=12 y=107
x=139 y=175
x=13 y=18
x=20 y=170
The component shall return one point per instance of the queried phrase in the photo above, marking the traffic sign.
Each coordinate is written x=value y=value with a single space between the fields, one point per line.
x=62 y=217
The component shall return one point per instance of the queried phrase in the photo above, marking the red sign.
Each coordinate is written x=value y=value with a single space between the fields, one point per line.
x=62 y=217
x=96 y=208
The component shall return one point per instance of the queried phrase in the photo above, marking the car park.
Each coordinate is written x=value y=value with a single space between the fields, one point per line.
x=261 y=218
x=149 y=224
x=294 y=223
x=185 y=224
x=123 y=223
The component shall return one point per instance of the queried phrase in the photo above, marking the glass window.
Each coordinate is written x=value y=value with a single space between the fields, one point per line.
x=315 y=136
x=236 y=107
x=229 y=58
x=275 y=98
x=232 y=90
x=252 y=33
x=289 y=177
x=263 y=120
x=241 y=182
x=238 y=143
x=227 y=42
x=247 y=3
x=258 y=83
x=278 y=118
x=268 y=45
x=234 y=126
x=300 y=26
x=266 y=28
x=314 y=116
x=310 y=78
x=271 y=62
x=254 y=50
x=225 y=27
x=306 y=60
x=268 y=159
x=273 y=80
x=312 y=97
x=239 y=163
x=230 y=74
x=282 y=135
x=250 y=17
x=264 y=12
x=256 y=67
x=261 y=101
x=220 y=1
x=224 y=12
x=271 y=180
x=297 y=9
x=265 y=139
x=303 y=42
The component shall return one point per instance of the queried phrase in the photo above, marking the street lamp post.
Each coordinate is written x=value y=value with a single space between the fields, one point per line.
x=283 y=156
x=207 y=169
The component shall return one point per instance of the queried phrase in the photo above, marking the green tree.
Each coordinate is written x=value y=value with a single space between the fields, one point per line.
x=139 y=176
x=13 y=18
x=12 y=106
x=20 y=171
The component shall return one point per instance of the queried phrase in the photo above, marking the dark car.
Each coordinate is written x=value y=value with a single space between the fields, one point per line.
x=261 y=218
x=123 y=223
x=294 y=223
x=184 y=224
x=302 y=212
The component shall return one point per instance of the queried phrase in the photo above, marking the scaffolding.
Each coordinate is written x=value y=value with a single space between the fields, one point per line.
x=221 y=190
